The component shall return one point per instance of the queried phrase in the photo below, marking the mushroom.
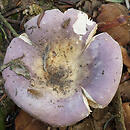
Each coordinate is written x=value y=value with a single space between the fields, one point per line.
x=55 y=74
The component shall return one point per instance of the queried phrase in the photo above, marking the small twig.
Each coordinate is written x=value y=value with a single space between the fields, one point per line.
x=40 y=18
x=3 y=97
x=14 y=11
x=64 y=6
x=66 y=2
x=23 y=22
x=5 y=36
x=19 y=2
x=106 y=124
x=8 y=25
x=13 y=21
x=80 y=3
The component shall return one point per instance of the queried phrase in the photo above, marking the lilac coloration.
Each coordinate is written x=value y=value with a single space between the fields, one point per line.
x=105 y=68
x=54 y=75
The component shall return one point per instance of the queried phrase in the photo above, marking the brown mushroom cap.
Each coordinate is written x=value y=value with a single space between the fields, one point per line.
x=76 y=75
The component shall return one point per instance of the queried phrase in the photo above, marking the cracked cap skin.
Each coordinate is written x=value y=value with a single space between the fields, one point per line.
x=64 y=69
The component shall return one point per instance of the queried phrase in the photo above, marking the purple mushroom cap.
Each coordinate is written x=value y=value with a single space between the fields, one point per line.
x=57 y=70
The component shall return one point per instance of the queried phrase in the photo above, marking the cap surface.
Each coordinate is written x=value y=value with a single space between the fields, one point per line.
x=54 y=75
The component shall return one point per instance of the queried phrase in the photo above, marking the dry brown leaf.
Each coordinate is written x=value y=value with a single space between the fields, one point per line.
x=114 y=19
x=25 y=122
x=125 y=90
x=126 y=58
x=125 y=76
x=126 y=107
